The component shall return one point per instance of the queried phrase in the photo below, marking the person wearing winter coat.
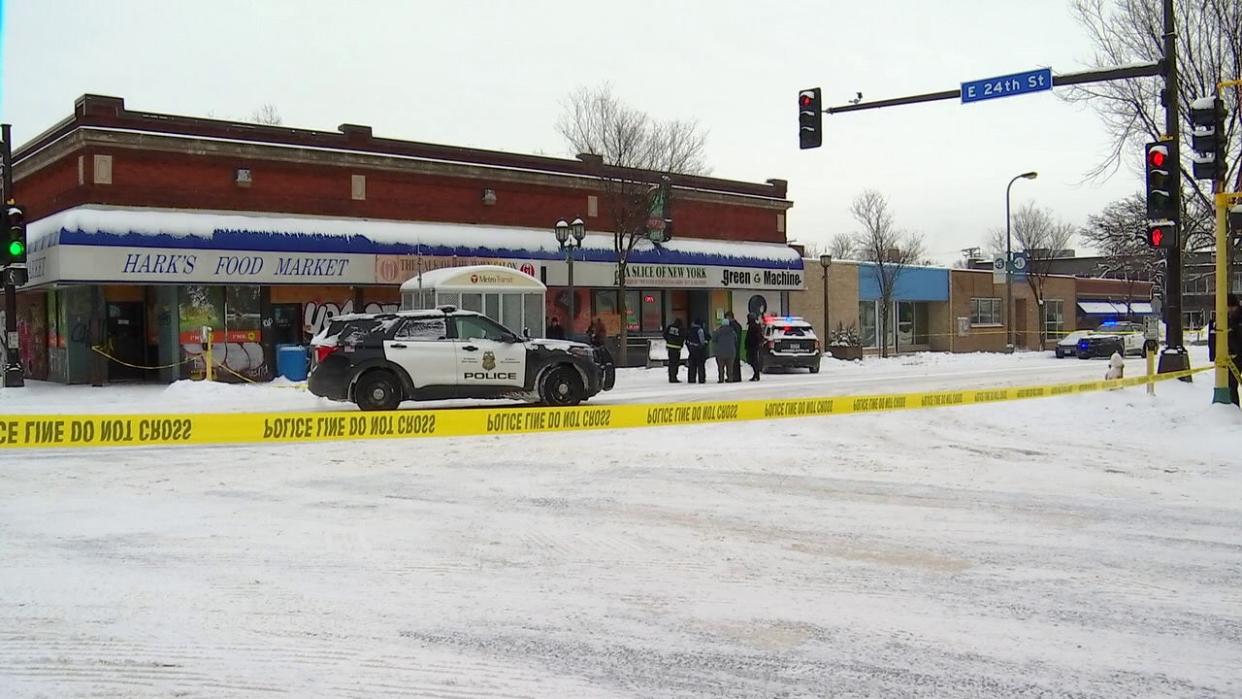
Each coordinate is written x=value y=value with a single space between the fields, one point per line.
x=674 y=340
x=596 y=333
x=736 y=371
x=726 y=349
x=555 y=331
x=1233 y=321
x=696 y=344
x=754 y=340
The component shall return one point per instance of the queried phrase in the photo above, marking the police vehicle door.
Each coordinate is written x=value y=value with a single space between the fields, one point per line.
x=422 y=347
x=484 y=357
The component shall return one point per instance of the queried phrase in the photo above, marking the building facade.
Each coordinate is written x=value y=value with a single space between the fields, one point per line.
x=963 y=310
x=147 y=228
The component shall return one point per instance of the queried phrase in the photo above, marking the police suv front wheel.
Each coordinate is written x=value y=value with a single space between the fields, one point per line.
x=377 y=390
x=561 y=386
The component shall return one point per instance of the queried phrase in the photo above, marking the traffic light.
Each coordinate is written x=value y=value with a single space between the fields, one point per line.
x=14 y=252
x=1161 y=234
x=1207 y=122
x=810 y=119
x=1161 y=184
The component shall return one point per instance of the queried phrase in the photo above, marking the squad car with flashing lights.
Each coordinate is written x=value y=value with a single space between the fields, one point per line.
x=790 y=342
x=1123 y=338
x=378 y=360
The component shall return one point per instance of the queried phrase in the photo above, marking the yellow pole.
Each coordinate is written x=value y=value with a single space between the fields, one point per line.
x=1221 y=392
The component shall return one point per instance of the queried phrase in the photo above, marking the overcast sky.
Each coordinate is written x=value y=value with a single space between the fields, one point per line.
x=494 y=74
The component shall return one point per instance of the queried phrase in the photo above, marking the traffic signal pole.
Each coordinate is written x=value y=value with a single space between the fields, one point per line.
x=13 y=377
x=1174 y=357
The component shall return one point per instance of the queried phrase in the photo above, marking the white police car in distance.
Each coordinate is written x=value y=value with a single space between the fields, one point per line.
x=378 y=360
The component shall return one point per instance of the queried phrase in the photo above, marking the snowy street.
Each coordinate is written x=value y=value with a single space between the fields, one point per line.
x=1084 y=546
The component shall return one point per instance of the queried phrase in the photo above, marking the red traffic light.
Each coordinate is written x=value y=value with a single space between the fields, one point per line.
x=1157 y=157
x=805 y=100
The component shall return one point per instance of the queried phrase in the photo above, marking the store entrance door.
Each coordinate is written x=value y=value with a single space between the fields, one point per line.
x=126 y=341
x=286 y=324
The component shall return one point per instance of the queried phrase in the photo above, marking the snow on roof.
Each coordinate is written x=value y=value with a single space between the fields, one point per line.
x=249 y=231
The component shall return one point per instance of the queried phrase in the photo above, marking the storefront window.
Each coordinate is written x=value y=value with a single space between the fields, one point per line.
x=604 y=301
x=198 y=306
x=633 y=305
x=241 y=306
x=867 y=323
x=912 y=320
x=652 y=314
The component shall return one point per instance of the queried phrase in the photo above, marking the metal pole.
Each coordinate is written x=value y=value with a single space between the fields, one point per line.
x=13 y=377
x=1174 y=357
x=1009 y=271
x=1220 y=392
x=827 y=327
x=569 y=257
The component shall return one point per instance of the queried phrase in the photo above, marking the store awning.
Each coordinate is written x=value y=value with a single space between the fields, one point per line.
x=265 y=233
x=1110 y=308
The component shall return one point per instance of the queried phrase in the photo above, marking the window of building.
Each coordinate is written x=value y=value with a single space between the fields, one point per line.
x=358 y=187
x=867 y=323
x=985 y=312
x=103 y=169
x=652 y=316
x=912 y=323
x=423 y=330
x=1054 y=317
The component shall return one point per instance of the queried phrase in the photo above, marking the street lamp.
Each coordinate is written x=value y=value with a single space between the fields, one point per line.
x=1009 y=261
x=569 y=236
x=825 y=261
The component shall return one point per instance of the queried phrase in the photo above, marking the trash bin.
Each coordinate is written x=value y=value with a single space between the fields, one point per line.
x=291 y=362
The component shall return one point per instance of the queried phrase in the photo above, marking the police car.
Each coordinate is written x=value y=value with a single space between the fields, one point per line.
x=378 y=360
x=790 y=342
x=1122 y=337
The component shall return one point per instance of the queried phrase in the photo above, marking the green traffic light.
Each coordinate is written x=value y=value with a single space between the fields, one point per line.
x=16 y=248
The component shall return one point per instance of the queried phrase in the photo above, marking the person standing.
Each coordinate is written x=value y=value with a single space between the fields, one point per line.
x=674 y=340
x=1233 y=321
x=754 y=340
x=696 y=344
x=555 y=331
x=736 y=371
x=726 y=349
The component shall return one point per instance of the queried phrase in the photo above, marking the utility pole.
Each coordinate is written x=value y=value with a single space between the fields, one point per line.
x=1174 y=357
x=13 y=377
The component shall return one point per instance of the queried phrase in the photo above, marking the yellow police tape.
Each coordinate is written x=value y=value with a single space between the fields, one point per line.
x=57 y=431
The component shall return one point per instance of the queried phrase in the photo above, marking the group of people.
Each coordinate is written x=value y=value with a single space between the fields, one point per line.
x=596 y=334
x=730 y=341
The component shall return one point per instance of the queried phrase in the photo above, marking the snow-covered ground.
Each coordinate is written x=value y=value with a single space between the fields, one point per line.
x=913 y=372
x=1078 y=546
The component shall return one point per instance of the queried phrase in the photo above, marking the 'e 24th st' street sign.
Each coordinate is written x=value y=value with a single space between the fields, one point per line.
x=1007 y=85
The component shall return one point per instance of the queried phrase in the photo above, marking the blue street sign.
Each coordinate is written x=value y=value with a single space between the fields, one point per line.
x=1007 y=85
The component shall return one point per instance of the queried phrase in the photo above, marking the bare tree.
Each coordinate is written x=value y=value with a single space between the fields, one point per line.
x=889 y=251
x=1117 y=234
x=266 y=114
x=1044 y=238
x=842 y=246
x=1209 y=49
x=636 y=157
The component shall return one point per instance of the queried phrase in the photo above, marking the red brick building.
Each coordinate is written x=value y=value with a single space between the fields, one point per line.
x=146 y=227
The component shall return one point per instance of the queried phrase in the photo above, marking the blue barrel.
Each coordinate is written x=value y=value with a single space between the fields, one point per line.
x=291 y=362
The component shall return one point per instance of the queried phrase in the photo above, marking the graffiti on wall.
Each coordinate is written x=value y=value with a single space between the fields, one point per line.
x=316 y=314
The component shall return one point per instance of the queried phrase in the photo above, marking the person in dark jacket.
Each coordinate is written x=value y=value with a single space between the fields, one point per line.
x=754 y=340
x=1233 y=321
x=674 y=340
x=726 y=349
x=696 y=344
x=555 y=331
x=736 y=372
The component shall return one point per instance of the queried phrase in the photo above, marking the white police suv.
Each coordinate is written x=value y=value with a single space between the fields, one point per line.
x=378 y=360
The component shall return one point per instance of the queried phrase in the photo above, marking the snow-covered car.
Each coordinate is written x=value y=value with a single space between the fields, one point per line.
x=790 y=342
x=1121 y=337
x=1068 y=345
x=378 y=360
